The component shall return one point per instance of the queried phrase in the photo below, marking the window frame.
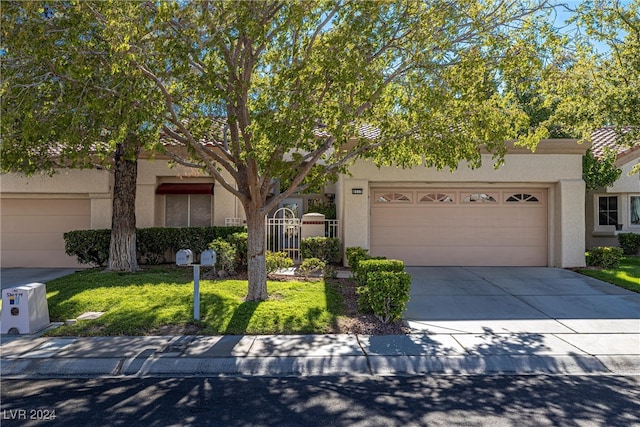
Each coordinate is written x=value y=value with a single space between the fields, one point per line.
x=597 y=211
x=189 y=211
x=629 y=199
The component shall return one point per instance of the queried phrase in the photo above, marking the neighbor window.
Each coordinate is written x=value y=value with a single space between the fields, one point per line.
x=607 y=210
x=635 y=210
x=188 y=210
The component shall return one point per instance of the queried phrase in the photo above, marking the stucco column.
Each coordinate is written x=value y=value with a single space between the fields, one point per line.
x=101 y=208
x=570 y=223
x=355 y=212
x=145 y=205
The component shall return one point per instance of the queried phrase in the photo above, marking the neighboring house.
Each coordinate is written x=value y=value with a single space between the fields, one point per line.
x=528 y=212
x=615 y=209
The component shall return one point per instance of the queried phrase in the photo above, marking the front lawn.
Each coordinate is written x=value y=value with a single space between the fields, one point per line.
x=160 y=300
x=627 y=275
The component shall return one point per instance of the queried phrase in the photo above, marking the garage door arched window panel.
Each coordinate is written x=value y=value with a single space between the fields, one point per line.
x=436 y=198
x=480 y=198
x=392 y=197
x=607 y=210
x=522 y=198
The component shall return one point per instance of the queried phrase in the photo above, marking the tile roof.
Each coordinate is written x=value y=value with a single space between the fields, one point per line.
x=606 y=137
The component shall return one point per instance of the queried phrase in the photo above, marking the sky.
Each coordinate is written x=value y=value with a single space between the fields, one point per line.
x=564 y=14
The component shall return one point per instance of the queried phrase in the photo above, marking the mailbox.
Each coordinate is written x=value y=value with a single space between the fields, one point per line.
x=184 y=257
x=208 y=258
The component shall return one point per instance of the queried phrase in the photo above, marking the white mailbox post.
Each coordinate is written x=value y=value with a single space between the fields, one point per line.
x=24 y=309
x=207 y=258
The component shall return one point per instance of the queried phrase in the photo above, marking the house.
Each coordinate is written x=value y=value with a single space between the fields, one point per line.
x=615 y=209
x=528 y=212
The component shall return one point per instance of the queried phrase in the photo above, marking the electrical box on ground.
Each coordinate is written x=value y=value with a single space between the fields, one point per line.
x=24 y=309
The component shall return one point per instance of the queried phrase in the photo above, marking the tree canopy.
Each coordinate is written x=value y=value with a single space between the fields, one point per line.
x=255 y=91
x=589 y=87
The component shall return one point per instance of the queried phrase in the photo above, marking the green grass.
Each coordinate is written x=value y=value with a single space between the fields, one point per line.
x=627 y=275
x=139 y=304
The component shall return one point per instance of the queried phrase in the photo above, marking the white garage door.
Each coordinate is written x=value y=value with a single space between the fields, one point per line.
x=32 y=230
x=473 y=227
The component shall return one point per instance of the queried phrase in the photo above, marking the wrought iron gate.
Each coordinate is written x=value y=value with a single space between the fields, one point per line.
x=283 y=233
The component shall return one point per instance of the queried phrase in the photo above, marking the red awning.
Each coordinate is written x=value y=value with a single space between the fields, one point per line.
x=185 y=189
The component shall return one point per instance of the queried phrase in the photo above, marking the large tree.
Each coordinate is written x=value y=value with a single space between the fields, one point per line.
x=254 y=92
x=69 y=100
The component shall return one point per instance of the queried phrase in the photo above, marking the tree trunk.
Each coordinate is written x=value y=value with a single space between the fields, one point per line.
x=257 y=266
x=122 y=251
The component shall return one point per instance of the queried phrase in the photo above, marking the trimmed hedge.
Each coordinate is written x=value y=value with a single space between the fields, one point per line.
x=92 y=246
x=629 y=242
x=326 y=249
x=604 y=257
x=89 y=246
x=386 y=294
x=354 y=256
x=367 y=266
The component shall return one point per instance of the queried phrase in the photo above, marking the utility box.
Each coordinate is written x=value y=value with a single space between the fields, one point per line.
x=184 y=257
x=24 y=309
x=208 y=258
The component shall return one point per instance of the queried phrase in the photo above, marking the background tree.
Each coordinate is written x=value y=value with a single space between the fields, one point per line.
x=593 y=87
x=69 y=99
x=259 y=91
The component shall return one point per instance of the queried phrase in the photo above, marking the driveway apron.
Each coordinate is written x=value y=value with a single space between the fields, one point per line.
x=517 y=300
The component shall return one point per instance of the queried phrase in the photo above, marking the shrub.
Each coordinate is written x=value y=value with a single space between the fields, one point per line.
x=604 y=257
x=89 y=246
x=326 y=249
x=386 y=294
x=153 y=243
x=225 y=255
x=354 y=256
x=277 y=261
x=241 y=242
x=311 y=265
x=629 y=242
x=367 y=266
x=92 y=246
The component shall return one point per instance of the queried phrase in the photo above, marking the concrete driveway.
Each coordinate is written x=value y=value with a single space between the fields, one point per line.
x=12 y=277
x=518 y=300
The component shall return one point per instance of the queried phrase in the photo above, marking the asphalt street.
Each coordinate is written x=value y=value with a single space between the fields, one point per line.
x=325 y=401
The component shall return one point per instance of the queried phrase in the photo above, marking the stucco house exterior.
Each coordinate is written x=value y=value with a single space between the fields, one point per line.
x=530 y=211
x=616 y=209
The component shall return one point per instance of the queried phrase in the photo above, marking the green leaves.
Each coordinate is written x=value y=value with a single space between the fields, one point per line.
x=600 y=172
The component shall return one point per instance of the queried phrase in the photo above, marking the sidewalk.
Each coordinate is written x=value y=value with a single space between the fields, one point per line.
x=331 y=355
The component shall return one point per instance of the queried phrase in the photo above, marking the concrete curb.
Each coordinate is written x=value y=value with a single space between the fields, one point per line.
x=295 y=355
